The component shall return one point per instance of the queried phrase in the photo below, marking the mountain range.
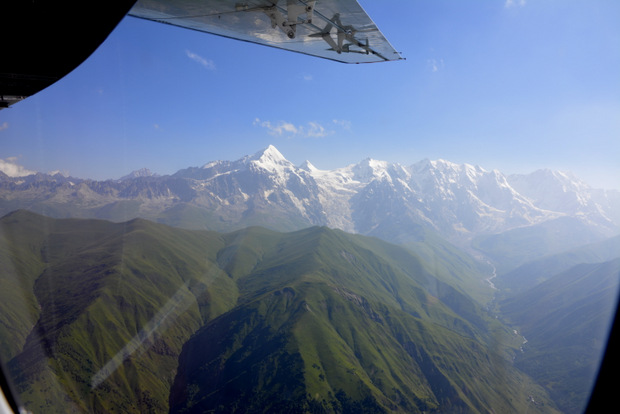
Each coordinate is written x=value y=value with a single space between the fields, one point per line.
x=141 y=317
x=478 y=210
x=252 y=286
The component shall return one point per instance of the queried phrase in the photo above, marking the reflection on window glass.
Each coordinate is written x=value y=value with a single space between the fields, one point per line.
x=190 y=223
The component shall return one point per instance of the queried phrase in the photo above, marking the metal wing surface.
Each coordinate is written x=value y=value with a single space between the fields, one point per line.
x=339 y=30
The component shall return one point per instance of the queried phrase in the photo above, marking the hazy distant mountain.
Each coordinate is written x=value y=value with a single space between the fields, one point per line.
x=565 y=193
x=142 y=172
x=394 y=202
x=532 y=273
x=141 y=317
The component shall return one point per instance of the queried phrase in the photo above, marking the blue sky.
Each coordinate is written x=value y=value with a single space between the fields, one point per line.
x=509 y=85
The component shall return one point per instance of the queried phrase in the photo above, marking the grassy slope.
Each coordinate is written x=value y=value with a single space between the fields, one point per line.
x=445 y=260
x=310 y=321
x=325 y=325
x=21 y=263
x=566 y=321
x=101 y=290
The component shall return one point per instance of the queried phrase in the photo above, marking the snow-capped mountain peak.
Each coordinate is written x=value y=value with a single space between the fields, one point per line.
x=269 y=154
x=373 y=197
x=270 y=159
x=554 y=190
x=307 y=166
x=370 y=169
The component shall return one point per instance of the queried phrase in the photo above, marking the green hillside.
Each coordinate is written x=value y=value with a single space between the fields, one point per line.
x=566 y=320
x=141 y=317
x=97 y=290
x=453 y=265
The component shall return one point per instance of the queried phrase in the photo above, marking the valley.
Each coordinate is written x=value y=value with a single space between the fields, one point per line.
x=258 y=286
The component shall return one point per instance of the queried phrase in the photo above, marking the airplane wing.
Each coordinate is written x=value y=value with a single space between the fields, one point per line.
x=333 y=29
x=339 y=30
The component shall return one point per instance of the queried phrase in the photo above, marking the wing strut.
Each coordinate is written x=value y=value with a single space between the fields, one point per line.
x=293 y=10
x=343 y=33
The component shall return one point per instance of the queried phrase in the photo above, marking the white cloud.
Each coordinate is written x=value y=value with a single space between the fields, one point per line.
x=10 y=167
x=206 y=63
x=312 y=129
x=279 y=129
x=514 y=3
x=342 y=123
x=315 y=130
x=286 y=127
x=4 y=125
x=435 y=65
